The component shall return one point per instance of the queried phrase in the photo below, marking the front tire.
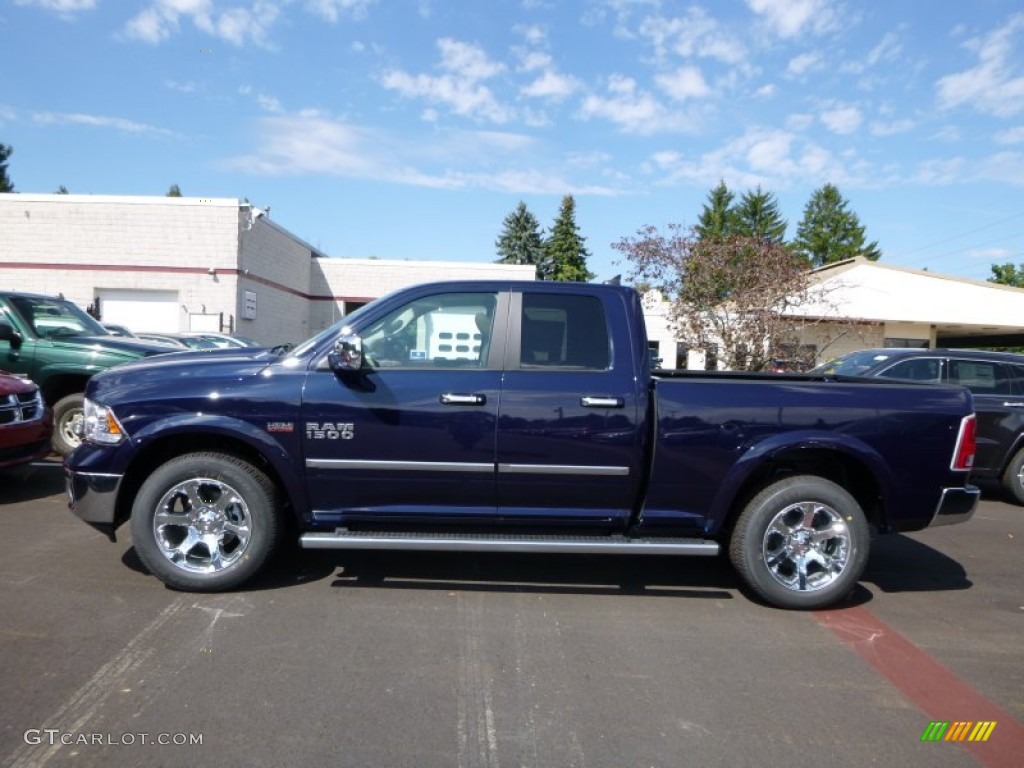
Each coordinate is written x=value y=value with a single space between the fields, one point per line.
x=1013 y=478
x=801 y=543
x=205 y=522
x=68 y=413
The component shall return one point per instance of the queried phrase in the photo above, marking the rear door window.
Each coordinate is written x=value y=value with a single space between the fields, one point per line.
x=926 y=369
x=980 y=376
x=560 y=331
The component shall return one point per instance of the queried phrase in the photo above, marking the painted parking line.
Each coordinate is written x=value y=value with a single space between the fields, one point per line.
x=933 y=688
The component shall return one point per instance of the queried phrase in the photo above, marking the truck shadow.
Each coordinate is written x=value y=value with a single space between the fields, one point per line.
x=897 y=564
x=38 y=481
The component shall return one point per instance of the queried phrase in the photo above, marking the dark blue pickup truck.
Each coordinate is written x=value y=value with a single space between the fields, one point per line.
x=512 y=417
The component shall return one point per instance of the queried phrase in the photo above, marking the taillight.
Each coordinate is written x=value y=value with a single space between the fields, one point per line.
x=966 y=442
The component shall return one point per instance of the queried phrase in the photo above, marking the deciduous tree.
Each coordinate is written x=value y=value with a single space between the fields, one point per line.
x=733 y=294
x=1008 y=274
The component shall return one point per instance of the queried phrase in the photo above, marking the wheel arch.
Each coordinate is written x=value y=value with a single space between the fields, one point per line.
x=860 y=470
x=156 y=452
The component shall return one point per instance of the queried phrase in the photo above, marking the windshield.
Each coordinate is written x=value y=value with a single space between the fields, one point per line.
x=853 y=364
x=53 y=318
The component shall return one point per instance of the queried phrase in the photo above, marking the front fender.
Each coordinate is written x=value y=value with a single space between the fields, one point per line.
x=771 y=448
x=285 y=460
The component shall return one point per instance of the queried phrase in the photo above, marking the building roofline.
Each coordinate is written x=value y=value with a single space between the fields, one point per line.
x=35 y=197
x=838 y=267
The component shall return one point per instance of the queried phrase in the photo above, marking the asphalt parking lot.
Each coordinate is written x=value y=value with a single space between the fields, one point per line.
x=363 y=659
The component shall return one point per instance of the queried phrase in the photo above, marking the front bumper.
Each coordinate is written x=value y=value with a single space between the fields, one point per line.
x=956 y=505
x=92 y=496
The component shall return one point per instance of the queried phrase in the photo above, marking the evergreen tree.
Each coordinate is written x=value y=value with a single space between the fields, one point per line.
x=565 y=256
x=829 y=232
x=6 y=185
x=520 y=241
x=718 y=219
x=174 y=191
x=757 y=216
x=62 y=190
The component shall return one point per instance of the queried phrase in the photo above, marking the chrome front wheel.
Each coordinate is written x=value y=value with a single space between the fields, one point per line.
x=205 y=521
x=202 y=525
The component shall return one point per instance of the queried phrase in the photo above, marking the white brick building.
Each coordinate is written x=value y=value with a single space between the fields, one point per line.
x=184 y=263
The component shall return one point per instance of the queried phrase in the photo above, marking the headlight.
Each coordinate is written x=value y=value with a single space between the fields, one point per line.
x=101 y=425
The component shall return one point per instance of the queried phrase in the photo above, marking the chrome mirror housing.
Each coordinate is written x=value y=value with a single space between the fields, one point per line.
x=347 y=353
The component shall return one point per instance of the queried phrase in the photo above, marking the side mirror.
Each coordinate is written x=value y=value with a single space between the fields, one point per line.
x=7 y=333
x=347 y=353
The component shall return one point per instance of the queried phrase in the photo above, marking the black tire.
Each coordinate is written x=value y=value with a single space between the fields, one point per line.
x=801 y=543
x=203 y=499
x=1013 y=478
x=68 y=413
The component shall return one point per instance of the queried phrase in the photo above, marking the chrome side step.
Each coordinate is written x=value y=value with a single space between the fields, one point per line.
x=465 y=542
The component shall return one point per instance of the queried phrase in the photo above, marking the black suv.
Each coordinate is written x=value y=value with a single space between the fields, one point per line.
x=996 y=379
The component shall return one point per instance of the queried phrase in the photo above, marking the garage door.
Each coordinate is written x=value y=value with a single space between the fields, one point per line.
x=154 y=311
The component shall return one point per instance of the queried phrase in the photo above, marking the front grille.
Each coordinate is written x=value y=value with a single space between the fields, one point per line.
x=21 y=407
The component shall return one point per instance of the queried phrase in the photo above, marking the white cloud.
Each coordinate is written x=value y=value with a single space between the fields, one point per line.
x=790 y=18
x=460 y=87
x=97 y=121
x=632 y=110
x=996 y=85
x=317 y=145
x=236 y=26
x=1003 y=167
x=187 y=87
x=1011 y=136
x=552 y=85
x=332 y=10
x=684 y=83
x=804 y=63
x=891 y=128
x=63 y=8
x=694 y=34
x=843 y=119
x=768 y=157
x=940 y=172
x=766 y=91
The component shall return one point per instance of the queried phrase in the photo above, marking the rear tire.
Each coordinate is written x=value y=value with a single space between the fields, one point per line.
x=206 y=522
x=801 y=543
x=68 y=413
x=1013 y=478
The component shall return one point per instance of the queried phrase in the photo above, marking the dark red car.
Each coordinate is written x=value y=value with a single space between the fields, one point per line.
x=26 y=424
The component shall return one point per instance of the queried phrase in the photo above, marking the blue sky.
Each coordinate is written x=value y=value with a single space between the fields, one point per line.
x=409 y=129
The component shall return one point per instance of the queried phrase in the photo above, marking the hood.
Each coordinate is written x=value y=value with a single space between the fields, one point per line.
x=180 y=373
x=11 y=384
x=117 y=344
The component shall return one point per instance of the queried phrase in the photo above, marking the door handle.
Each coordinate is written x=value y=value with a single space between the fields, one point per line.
x=1013 y=405
x=449 y=398
x=589 y=401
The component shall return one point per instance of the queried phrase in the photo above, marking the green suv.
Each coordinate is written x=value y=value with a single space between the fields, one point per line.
x=57 y=345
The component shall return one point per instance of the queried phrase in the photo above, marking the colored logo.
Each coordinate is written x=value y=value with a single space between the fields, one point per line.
x=958 y=730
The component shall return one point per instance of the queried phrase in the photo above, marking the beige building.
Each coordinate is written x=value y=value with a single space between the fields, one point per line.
x=196 y=264
x=180 y=264
x=870 y=304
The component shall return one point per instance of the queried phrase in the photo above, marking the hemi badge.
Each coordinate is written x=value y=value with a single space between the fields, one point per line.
x=280 y=426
